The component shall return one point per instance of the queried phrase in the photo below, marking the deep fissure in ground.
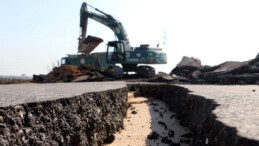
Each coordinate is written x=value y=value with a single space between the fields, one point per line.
x=92 y=118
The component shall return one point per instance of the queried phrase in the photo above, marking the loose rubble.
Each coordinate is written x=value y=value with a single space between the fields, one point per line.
x=153 y=135
x=230 y=72
x=71 y=73
x=190 y=70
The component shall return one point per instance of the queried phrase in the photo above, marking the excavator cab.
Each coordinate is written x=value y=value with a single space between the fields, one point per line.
x=115 y=52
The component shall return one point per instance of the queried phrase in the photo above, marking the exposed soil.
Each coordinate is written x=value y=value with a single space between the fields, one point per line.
x=151 y=123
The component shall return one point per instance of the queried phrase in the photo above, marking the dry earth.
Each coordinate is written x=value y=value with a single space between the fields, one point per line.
x=143 y=119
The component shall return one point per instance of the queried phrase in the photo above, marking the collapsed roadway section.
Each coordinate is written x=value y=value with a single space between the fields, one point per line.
x=90 y=113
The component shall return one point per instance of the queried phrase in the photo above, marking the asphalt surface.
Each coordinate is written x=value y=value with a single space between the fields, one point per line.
x=25 y=93
x=238 y=106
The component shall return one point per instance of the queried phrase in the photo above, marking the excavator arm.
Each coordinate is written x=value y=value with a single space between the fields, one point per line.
x=104 y=19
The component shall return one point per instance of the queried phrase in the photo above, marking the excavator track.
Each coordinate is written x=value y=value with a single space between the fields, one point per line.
x=146 y=71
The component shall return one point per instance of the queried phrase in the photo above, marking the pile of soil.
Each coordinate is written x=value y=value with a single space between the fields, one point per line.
x=71 y=73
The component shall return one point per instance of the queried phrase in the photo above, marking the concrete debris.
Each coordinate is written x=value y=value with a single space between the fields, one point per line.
x=187 y=135
x=230 y=72
x=132 y=108
x=71 y=73
x=172 y=116
x=153 y=135
x=163 y=77
x=109 y=139
x=154 y=104
x=188 y=141
x=171 y=133
x=166 y=140
x=190 y=70
x=187 y=61
x=163 y=124
x=134 y=112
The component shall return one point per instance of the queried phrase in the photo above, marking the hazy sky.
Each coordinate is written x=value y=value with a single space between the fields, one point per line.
x=34 y=35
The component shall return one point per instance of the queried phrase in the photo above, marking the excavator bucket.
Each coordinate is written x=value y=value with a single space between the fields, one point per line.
x=87 y=45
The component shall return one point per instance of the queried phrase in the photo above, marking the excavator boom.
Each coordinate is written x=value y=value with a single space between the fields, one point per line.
x=104 y=19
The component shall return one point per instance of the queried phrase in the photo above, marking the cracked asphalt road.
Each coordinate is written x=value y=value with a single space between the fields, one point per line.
x=238 y=106
x=24 y=93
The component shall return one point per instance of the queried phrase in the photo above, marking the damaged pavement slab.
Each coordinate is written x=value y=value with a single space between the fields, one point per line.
x=61 y=114
x=237 y=106
x=216 y=115
x=25 y=93
x=235 y=116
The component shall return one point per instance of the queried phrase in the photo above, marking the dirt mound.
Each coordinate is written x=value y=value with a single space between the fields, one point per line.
x=71 y=73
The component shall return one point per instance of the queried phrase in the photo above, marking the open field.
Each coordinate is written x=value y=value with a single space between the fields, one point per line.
x=13 y=81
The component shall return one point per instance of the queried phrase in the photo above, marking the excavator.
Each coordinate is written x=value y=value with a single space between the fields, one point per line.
x=131 y=59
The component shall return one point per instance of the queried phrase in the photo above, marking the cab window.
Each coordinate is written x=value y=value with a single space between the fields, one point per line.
x=116 y=51
x=63 y=61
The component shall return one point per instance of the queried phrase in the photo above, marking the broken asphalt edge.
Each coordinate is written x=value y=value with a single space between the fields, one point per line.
x=92 y=118
x=88 y=119
x=194 y=112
